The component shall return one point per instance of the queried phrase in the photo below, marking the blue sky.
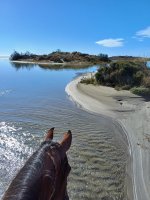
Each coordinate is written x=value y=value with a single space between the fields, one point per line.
x=114 y=27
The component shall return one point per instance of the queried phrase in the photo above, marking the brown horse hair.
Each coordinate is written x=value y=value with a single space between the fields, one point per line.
x=27 y=183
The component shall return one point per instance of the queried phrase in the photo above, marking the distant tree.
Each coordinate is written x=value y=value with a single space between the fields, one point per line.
x=27 y=53
x=58 y=50
x=15 y=56
x=103 y=57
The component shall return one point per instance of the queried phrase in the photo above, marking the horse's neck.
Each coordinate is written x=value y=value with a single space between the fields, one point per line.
x=32 y=180
x=47 y=179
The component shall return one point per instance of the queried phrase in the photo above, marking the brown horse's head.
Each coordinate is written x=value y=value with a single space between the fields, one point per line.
x=44 y=176
x=58 y=162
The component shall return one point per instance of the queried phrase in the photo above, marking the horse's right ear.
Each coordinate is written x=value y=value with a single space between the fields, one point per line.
x=66 y=141
x=49 y=134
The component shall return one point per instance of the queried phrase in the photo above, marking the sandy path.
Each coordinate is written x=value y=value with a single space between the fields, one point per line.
x=133 y=113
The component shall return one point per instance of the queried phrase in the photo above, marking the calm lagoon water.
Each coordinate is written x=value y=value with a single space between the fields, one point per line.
x=32 y=100
x=148 y=64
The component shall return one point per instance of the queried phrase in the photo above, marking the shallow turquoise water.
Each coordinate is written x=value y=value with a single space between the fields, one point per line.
x=33 y=99
x=148 y=64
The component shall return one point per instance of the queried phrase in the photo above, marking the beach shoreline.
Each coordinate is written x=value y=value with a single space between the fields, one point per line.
x=36 y=62
x=132 y=113
x=51 y=63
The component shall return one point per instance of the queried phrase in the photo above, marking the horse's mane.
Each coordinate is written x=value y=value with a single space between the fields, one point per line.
x=26 y=185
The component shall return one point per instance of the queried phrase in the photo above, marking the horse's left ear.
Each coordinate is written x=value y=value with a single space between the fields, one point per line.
x=49 y=134
x=66 y=141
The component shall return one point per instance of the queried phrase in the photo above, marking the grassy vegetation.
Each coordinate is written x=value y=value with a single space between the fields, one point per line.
x=143 y=91
x=90 y=80
x=129 y=58
x=60 y=57
x=127 y=75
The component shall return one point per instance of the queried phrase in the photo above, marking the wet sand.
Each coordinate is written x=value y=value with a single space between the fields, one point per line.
x=133 y=114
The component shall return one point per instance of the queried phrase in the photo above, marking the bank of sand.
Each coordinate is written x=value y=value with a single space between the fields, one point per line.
x=133 y=114
x=36 y=62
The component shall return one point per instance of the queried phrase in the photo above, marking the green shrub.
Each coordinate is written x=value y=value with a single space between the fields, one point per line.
x=126 y=87
x=123 y=74
x=88 y=80
x=146 y=81
x=141 y=91
x=138 y=77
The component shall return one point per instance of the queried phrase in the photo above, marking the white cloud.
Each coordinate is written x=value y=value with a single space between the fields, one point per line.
x=145 y=33
x=111 y=42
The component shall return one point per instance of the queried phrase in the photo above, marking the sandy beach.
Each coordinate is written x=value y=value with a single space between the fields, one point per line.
x=36 y=62
x=51 y=63
x=132 y=112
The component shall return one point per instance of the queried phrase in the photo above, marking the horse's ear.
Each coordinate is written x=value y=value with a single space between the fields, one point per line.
x=66 y=141
x=49 y=134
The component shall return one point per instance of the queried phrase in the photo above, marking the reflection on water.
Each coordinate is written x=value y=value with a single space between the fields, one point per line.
x=35 y=102
x=56 y=67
